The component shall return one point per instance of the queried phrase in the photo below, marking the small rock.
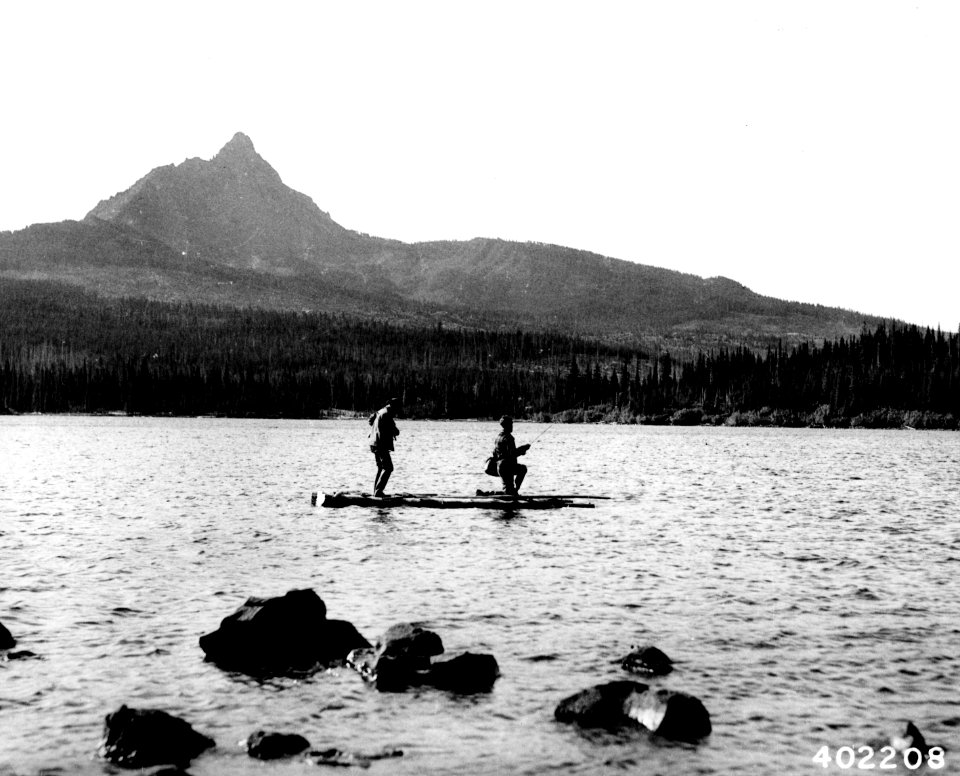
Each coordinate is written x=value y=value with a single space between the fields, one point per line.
x=6 y=640
x=139 y=738
x=912 y=738
x=411 y=642
x=466 y=673
x=273 y=746
x=22 y=654
x=647 y=661
x=335 y=756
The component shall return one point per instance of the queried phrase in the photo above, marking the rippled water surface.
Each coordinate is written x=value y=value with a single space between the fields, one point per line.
x=804 y=581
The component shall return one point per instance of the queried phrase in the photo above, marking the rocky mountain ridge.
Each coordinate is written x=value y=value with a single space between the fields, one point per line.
x=229 y=231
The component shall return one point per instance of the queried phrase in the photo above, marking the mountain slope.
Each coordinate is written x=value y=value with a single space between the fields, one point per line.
x=233 y=209
x=229 y=231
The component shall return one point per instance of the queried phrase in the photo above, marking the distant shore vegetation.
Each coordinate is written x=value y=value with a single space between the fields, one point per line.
x=64 y=350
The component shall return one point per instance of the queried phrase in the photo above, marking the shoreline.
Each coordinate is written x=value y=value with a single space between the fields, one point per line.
x=887 y=419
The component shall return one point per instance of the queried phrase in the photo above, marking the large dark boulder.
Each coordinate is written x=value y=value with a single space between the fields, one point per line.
x=140 y=738
x=273 y=746
x=671 y=714
x=601 y=706
x=466 y=673
x=6 y=640
x=647 y=661
x=287 y=635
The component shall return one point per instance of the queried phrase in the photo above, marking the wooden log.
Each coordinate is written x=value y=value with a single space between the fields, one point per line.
x=501 y=494
x=341 y=499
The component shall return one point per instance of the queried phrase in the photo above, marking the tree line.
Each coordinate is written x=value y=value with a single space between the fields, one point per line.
x=65 y=350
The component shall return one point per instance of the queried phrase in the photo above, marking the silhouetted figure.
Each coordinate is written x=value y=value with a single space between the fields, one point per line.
x=382 y=433
x=505 y=452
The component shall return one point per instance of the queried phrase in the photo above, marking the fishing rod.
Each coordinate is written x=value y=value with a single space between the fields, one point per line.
x=549 y=426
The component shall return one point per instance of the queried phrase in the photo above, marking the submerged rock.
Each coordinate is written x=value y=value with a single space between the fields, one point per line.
x=140 y=738
x=287 y=635
x=668 y=713
x=273 y=746
x=22 y=654
x=647 y=661
x=6 y=640
x=335 y=756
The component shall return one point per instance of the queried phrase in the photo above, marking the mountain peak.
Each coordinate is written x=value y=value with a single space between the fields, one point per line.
x=239 y=147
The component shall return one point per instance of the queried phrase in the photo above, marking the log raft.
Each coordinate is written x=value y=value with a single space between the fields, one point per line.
x=436 y=501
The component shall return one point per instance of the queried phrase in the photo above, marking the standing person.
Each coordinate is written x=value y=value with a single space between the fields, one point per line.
x=505 y=451
x=382 y=433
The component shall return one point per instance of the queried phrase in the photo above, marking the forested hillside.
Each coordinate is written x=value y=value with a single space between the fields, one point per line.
x=229 y=232
x=65 y=350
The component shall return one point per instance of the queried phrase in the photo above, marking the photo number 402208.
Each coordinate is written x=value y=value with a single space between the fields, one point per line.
x=866 y=758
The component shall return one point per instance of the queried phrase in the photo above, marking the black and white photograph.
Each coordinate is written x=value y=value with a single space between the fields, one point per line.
x=425 y=387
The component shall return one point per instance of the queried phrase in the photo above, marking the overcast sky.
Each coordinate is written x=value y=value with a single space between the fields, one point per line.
x=809 y=150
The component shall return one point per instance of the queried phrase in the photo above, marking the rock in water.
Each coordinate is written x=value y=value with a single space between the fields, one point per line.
x=671 y=714
x=912 y=738
x=465 y=673
x=410 y=642
x=647 y=661
x=667 y=713
x=6 y=640
x=400 y=659
x=601 y=706
x=140 y=738
x=339 y=757
x=287 y=635
x=273 y=746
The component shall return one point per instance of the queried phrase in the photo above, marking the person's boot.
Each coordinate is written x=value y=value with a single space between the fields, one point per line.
x=382 y=483
x=518 y=481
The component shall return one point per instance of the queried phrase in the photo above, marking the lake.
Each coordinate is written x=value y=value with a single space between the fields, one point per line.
x=805 y=582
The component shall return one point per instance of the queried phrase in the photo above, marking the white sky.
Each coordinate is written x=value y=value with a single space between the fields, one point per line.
x=809 y=150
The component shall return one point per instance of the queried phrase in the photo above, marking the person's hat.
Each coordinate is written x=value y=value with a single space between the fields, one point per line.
x=395 y=401
x=505 y=420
